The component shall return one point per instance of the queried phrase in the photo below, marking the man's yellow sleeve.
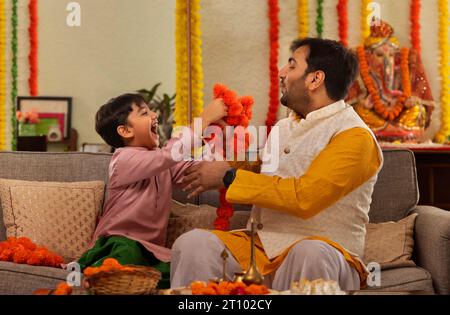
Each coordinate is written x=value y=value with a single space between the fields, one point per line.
x=349 y=160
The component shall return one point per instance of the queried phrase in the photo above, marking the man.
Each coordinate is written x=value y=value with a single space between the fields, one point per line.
x=314 y=207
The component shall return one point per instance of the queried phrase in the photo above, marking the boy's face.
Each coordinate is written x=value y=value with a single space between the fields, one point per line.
x=143 y=127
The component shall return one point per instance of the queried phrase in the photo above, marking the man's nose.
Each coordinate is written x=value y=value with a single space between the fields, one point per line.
x=282 y=73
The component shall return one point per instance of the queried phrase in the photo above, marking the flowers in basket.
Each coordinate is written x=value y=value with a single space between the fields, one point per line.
x=23 y=251
x=109 y=264
x=112 y=278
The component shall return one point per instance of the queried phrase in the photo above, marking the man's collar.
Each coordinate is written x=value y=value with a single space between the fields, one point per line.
x=320 y=113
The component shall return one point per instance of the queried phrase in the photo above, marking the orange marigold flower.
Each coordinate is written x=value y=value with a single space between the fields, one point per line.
x=26 y=242
x=89 y=271
x=21 y=255
x=63 y=289
x=6 y=255
x=36 y=258
x=111 y=262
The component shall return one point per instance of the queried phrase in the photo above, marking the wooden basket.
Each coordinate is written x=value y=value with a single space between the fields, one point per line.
x=139 y=281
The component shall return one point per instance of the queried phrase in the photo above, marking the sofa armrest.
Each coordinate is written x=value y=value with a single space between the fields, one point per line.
x=432 y=245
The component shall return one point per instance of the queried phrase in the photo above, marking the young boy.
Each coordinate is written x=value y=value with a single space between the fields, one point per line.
x=133 y=225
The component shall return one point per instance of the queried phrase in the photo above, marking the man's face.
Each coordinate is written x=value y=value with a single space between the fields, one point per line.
x=144 y=124
x=295 y=94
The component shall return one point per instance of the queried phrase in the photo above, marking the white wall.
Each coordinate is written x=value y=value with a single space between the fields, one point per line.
x=121 y=46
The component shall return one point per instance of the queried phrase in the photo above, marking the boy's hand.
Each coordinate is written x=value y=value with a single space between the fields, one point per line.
x=214 y=112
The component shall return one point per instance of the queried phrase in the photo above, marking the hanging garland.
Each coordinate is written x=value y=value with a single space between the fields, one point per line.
x=303 y=18
x=379 y=107
x=343 y=21
x=319 y=19
x=14 y=21
x=2 y=77
x=274 y=101
x=189 y=77
x=415 y=25
x=32 y=57
x=444 y=133
x=196 y=60
x=365 y=27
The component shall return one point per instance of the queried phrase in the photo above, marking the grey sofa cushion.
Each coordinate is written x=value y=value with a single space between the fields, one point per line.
x=396 y=191
x=56 y=167
x=24 y=279
x=406 y=279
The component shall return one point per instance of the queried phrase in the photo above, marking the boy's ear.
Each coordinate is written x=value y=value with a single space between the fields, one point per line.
x=125 y=132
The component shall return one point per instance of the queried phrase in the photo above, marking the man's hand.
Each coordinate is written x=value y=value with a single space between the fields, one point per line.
x=204 y=176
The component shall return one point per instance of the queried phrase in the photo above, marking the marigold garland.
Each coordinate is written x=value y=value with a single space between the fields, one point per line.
x=415 y=25
x=14 y=21
x=444 y=133
x=342 y=9
x=186 y=75
x=274 y=101
x=303 y=18
x=23 y=251
x=319 y=18
x=365 y=27
x=32 y=57
x=239 y=114
x=379 y=107
x=2 y=77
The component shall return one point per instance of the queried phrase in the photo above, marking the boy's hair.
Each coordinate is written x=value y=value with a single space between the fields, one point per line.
x=339 y=64
x=113 y=114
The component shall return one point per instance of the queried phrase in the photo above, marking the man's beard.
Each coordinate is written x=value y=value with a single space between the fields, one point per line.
x=284 y=99
x=302 y=103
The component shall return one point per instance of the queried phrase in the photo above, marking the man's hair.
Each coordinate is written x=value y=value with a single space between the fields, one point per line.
x=113 y=114
x=338 y=63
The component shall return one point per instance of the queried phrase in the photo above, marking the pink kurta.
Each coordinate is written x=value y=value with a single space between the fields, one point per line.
x=139 y=195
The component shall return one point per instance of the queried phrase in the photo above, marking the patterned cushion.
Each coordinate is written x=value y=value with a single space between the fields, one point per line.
x=186 y=217
x=390 y=244
x=58 y=215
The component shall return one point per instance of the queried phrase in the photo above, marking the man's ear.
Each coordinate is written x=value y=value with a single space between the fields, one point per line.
x=316 y=80
x=125 y=132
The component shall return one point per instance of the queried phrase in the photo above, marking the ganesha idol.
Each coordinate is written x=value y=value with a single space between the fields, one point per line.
x=391 y=94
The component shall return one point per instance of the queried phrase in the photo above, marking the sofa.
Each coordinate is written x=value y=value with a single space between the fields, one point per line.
x=395 y=196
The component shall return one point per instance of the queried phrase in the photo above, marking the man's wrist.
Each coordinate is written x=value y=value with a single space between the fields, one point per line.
x=229 y=177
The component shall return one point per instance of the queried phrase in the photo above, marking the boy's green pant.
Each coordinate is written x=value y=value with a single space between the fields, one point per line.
x=127 y=252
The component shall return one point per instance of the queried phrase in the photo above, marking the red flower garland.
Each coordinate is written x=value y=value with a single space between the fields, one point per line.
x=343 y=21
x=415 y=25
x=239 y=114
x=274 y=100
x=32 y=57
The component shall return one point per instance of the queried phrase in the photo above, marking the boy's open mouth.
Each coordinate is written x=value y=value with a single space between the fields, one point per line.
x=154 y=128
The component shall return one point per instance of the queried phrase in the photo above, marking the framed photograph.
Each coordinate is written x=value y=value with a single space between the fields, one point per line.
x=54 y=114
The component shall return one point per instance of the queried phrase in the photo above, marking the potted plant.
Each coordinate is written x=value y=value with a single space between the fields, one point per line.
x=163 y=106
